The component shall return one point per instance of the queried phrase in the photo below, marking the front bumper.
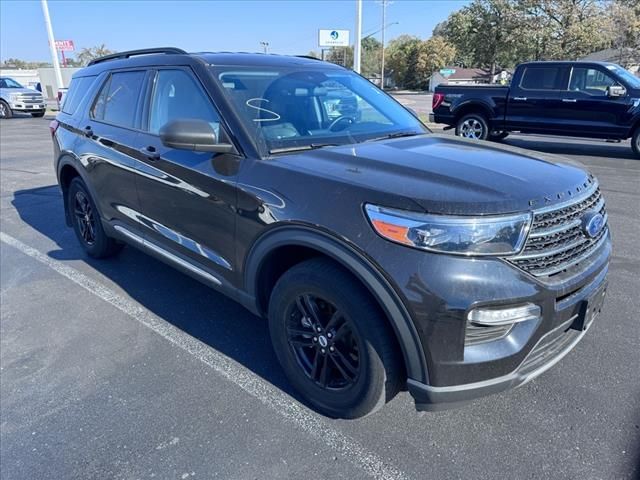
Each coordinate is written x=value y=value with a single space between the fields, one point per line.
x=19 y=106
x=440 y=290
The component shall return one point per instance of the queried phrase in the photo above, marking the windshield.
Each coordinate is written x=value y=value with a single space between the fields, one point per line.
x=9 y=83
x=288 y=109
x=626 y=75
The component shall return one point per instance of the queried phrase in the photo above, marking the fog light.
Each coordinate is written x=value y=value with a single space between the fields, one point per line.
x=504 y=316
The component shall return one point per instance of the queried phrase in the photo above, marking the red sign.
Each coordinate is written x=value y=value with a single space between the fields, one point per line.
x=64 y=45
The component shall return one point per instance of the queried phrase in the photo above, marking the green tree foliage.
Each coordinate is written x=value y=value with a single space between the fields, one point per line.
x=412 y=61
x=90 y=53
x=370 y=61
x=503 y=33
x=22 y=64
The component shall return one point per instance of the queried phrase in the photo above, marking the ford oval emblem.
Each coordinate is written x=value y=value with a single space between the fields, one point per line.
x=592 y=224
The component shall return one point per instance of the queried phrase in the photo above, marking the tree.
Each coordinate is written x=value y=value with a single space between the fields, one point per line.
x=22 y=64
x=91 y=53
x=432 y=55
x=401 y=59
x=623 y=21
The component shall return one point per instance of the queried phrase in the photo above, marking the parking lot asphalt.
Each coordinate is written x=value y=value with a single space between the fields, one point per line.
x=127 y=369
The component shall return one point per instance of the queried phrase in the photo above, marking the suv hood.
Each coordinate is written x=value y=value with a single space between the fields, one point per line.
x=450 y=175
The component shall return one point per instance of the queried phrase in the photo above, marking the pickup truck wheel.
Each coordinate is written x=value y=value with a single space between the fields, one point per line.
x=87 y=224
x=5 y=110
x=635 y=142
x=332 y=340
x=497 y=135
x=473 y=126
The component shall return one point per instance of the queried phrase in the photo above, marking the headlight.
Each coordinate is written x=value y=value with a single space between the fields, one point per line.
x=13 y=96
x=490 y=235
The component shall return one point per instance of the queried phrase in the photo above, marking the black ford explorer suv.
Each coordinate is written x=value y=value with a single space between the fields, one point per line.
x=580 y=99
x=384 y=257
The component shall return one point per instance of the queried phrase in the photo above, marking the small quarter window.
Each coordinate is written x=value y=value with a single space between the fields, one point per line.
x=77 y=90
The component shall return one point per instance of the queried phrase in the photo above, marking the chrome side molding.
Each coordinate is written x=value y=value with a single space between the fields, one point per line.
x=166 y=254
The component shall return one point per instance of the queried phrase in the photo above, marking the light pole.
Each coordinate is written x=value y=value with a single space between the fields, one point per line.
x=265 y=46
x=384 y=21
x=357 y=49
x=52 y=45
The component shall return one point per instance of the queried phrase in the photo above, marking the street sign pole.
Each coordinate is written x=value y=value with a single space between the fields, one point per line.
x=52 y=44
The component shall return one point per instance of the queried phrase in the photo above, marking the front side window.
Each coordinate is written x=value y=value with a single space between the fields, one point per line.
x=118 y=99
x=590 y=81
x=176 y=95
x=286 y=108
x=542 y=78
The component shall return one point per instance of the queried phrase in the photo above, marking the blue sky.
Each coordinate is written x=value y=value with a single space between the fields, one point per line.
x=290 y=26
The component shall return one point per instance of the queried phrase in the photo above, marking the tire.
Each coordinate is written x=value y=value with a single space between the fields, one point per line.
x=473 y=126
x=497 y=135
x=38 y=114
x=5 y=110
x=635 y=142
x=87 y=224
x=360 y=367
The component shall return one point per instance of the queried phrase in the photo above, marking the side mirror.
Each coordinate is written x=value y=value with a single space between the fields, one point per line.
x=617 y=91
x=192 y=134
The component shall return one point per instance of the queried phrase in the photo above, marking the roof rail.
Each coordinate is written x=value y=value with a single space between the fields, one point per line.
x=131 y=53
x=310 y=57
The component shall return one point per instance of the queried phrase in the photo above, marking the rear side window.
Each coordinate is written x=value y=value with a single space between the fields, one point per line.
x=118 y=99
x=542 y=78
x=77 y=90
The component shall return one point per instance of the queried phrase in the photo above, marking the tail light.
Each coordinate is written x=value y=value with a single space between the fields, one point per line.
x=53 y=126
x=438 y=98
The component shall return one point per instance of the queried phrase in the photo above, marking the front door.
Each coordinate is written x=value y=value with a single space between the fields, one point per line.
x=187 y=198
x=587 y=108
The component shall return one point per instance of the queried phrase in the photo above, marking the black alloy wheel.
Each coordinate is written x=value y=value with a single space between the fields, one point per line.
x=324 y=342
x=85 y=218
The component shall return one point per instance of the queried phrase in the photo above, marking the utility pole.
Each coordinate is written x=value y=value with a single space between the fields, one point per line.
x=52 y=45
x=384 y=23
x=357 y=50
x=265 y=46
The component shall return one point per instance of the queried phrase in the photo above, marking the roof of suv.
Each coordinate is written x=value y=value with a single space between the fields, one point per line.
x=175 y=56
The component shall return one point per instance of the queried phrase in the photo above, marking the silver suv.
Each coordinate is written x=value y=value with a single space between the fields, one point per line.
x=16 y=98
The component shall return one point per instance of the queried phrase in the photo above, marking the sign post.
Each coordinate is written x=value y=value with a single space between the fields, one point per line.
x=64 y=46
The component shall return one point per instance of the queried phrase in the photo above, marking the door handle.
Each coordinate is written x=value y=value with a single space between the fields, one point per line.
x=569 y=100
x=88 y=131
x=520 y=99
x=150 y=152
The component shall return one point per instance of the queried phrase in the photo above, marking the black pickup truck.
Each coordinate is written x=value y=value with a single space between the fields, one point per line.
x=583 y=99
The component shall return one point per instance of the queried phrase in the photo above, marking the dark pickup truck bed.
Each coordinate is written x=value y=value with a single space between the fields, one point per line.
x=583 y=99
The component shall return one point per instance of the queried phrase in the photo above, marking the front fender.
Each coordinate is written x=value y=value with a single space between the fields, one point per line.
x=360 y=266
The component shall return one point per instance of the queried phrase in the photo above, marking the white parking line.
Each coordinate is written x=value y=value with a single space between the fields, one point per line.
x=269 y=395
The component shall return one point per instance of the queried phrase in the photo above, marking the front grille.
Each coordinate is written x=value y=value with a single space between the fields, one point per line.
x=29 y=99
x=545 y=351
x=557 y=241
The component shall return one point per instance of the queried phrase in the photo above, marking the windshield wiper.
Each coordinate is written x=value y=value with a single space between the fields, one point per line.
x=393 y=135
x=299 y=148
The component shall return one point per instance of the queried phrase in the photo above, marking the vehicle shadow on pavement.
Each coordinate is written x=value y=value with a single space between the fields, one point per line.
x=611 y=150
x=178 y=299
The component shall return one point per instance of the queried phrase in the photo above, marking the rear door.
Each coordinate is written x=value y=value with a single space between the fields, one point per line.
x=533 y=101
x=586 y=107
x=188 y=198
x=106 y=144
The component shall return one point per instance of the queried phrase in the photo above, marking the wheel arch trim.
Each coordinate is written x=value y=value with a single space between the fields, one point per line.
x=358 y=265
x=69 y=159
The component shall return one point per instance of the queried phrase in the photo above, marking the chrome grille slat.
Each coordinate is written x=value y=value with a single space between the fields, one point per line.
x=556 y=241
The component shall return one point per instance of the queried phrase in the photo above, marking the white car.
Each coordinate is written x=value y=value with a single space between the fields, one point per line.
x=16 y=98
